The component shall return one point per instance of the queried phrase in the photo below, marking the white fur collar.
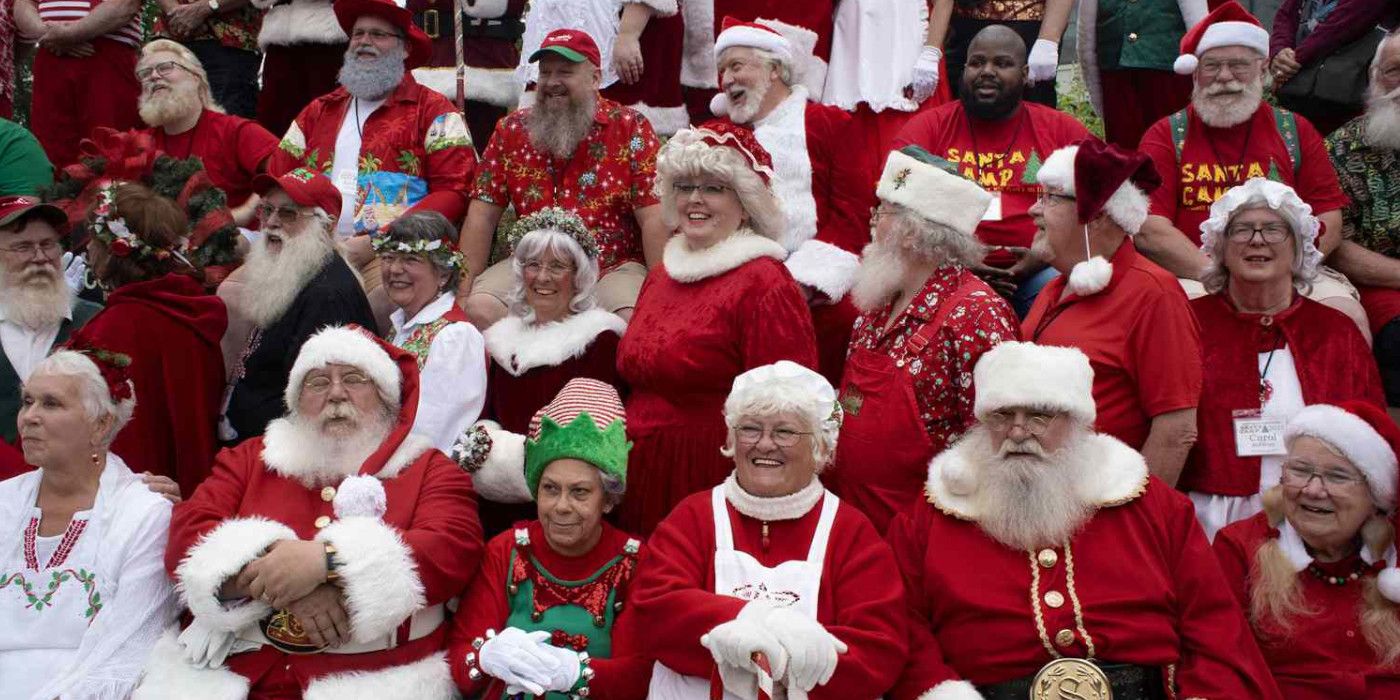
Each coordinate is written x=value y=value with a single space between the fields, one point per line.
x=283 y=454
x=519 y=348
x=686 y=265
x=789 y=507
x=1120 y=476
x=783 y=133
x=1297 y=552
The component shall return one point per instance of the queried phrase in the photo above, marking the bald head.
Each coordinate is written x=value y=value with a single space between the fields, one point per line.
x=999 y=38
x=994 y=75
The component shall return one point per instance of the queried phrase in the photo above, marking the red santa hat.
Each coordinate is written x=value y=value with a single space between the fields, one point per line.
x=1103 y=179
x=1370 y=440
x=792 y=45
x=344 y=345
x=1227 y=25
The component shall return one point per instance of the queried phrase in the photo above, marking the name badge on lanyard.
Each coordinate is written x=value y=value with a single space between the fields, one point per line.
x=993 y=209
x=1257 y=435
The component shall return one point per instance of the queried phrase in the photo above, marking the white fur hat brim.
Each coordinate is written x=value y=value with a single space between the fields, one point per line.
x=933 y=193
x=1127 y=207
x=752 y=37
x=344 y=346
x=1224 y=34
x=1356 y=440
x=1025 y=375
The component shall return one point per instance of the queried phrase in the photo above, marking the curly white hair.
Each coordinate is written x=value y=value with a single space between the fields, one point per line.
x=1253 y=194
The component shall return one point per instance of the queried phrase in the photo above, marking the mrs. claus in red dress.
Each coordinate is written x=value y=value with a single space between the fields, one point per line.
x=720 y=303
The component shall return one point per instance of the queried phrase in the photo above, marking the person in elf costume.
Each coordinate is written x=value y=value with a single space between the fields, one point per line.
x=547 y=614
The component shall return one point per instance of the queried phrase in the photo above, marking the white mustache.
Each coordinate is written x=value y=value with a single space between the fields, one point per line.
x=339 y=409
x=1029 y=446
x=1231 y=87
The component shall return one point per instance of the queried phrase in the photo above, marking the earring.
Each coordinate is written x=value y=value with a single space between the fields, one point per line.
x=96 y=461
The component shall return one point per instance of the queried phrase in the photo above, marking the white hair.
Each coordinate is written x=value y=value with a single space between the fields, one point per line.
x=1392 y=35
x=785 y=396
x=931 y=240
x=531 y=246
x=1261 y=193
x=687 y=156
x=189 y=61
x=92 y=389
x=786 y=72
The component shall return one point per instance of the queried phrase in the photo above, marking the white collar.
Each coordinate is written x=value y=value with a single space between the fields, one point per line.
x=686 y=265
x=795 y=102
x=789 y=507
x=519 y=347
x=432 y=312
x=1120 y=476
x=1297 y=552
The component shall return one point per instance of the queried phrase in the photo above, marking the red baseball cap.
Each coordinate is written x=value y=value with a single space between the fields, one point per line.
x=573 y=44
x=307 y=188
x=13 y=207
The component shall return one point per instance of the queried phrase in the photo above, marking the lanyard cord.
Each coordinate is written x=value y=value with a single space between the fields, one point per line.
x=977 y=151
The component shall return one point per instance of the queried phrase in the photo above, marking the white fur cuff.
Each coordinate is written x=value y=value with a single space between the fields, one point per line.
x=486 y=9
x=952 y=690
x=502 y=477
x=167 y=676
x=830 y=269
x=378 y=575
x=219 y=555
x=425 y=679
x=662 y=8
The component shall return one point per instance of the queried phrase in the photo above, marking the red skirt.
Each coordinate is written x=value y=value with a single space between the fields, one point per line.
x=667 y=465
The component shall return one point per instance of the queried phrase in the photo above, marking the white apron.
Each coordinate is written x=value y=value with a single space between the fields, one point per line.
x=793 y=584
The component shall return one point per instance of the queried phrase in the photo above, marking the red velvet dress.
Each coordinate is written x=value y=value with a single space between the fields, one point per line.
x=686 y=343
x=171 y=330
x=1324 y=656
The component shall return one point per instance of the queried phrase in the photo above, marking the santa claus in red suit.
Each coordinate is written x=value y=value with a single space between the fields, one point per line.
x=316 y=560
x=823 y=183
x=491 y=32
x=1048 y=557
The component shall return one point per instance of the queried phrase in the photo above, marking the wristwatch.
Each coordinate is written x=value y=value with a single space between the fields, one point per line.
x=214 y=5
x=332 y=575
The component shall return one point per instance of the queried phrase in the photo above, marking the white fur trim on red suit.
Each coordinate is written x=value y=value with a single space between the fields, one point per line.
x=1224 y=34
x=502 y=477
x=301 y=22
x=378 y=575
x=167 y=676
x=828 y=268
x=412 y=447
x=1119 y=476
x=360 y=497
x=952 y=690
x=698 y=67
x=494 y=86
x=1127 y=207
x=773 y=41
x=666 y=121
x=686 y=265
x=486 y=9
x=519 y=348
x=1357 y=440
x=1086 y=42
x=219 y=555
x=429 y=678
x=783 y=133
x=1026 y=375
x=346 y=346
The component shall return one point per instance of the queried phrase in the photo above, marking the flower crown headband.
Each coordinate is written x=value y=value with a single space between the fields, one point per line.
x=439 y=251
x=117 y=236
x=555 y=219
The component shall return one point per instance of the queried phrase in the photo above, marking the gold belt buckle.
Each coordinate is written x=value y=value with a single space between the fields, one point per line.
x=1071 y=679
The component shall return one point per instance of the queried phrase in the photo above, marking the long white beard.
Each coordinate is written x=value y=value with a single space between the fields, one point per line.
x=752 y=102
x=319 y=457
x=1226 y=112
x=878 y=279
x=1029 y=501
x=38 y=298
x=559 y=130
x=1382 y=121
x=170 y=106
x=273 y=280
x=375 y=78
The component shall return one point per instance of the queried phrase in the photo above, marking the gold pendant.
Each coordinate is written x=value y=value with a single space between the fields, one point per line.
x=1071 y=679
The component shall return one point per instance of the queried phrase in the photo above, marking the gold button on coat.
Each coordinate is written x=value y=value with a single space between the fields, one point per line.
x=1047 y=558
x=323 y=521
x=1064 y=638
x=328 y=494
x=1054 y=599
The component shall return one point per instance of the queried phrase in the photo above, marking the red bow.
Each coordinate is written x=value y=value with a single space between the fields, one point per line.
x=562 y=639
x=114 y=367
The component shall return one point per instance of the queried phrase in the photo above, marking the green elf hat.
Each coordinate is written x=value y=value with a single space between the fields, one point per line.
x=585 y=421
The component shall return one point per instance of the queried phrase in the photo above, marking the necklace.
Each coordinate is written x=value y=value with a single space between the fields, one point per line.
x=1331 y=580
x=1244 y=148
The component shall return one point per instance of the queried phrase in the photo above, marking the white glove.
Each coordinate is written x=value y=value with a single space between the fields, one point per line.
x=926 y=72
x=567 y=670
x=811 y=650
x=513 y=656
x=1044 y=60
x=735 y=642
x=204 y=646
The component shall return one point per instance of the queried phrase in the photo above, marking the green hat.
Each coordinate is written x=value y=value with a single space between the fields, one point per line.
x=585 y=421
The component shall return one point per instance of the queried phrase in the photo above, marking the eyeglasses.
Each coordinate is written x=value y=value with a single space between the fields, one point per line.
x=555 y=269
x=708 y=191
x=375 y=35
x=1048 y=198
x=876 y=213
x=162 y=70
x=1037 y=422
x=322 y=383
x=285 y=213
x=1299 y=474
x=782 y=437
x=49 y=249
x=1238 y=66
x=1244 y=233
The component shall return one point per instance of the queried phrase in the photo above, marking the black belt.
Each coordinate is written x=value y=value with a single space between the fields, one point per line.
x=1129 y=682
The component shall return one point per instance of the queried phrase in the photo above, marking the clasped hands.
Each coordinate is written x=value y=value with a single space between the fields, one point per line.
x=801 y=652
x=291 y=576
x=527 y=662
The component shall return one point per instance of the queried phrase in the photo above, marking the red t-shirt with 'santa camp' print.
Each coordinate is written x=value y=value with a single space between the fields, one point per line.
x=1215 y=160
x=1001 y=156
